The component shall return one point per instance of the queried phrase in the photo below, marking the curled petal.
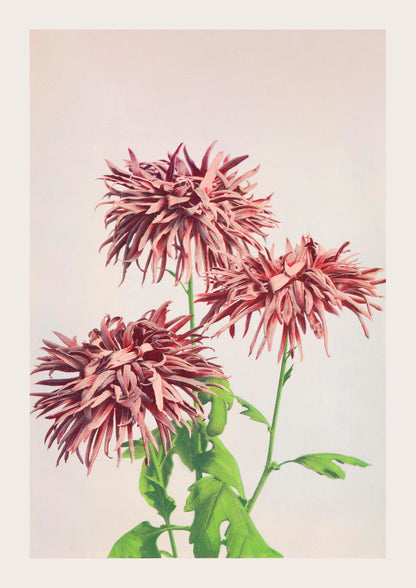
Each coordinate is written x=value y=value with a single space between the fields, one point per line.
x=201 y=213
x=123 y=372
x=294 y=289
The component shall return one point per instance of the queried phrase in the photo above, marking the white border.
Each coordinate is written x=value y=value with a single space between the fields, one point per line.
x=398 y=23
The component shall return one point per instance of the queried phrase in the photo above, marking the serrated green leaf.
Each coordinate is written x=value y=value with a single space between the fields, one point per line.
x=219 y=462
x=164 y=504
x=251 y=412
x=156 y=475
x=221 y=401
x=215 y=502
x=138 y=542
x=323 y=463
x=187 y=445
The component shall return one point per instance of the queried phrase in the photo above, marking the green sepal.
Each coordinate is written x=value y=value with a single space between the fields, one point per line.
x=138 y=542
x=323 y=463
x=221 y=401
x=219 y=462
x=252 y=413
x=215 y=502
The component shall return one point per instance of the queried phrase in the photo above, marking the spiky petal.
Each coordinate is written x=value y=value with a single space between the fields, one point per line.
x=112 y=380
x=176 y=209
x=294 y=290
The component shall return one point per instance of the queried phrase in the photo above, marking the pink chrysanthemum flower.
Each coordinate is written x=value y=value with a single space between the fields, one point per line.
x=169 y=204
x=118 y=375
x=296 y=288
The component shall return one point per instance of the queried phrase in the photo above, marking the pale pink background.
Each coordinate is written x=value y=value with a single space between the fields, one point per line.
x=308 y=106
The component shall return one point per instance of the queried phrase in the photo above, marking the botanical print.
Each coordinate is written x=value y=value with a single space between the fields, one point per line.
x=207 y=256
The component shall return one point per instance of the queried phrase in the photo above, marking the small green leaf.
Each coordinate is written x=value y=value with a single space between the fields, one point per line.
x=287 y=375
x=323 y=463
x=154 y=479
x=252 y=412
x=139 y=451
x=139 y=542
x=221 y=402
x=221 y=464
x=215 y=502
x=163 y=503
x=187 y=445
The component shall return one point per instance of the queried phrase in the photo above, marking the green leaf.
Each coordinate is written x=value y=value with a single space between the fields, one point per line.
x=221 y=402
x=164 y=504
x=226 y=394
x=154 y=479
x=323 y=463
x=139 y=451
x=221 y=464
x=139 y=542
x=252 y=412
x=187 y=445
x=215 y=502
x=287 y=375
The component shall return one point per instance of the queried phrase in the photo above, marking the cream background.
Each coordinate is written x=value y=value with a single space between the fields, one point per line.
x=308 y=106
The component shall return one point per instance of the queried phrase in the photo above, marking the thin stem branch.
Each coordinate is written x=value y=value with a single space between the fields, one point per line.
x=174 y=275
x=268 y=468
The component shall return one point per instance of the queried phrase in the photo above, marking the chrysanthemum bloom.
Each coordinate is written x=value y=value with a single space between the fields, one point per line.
x=172 y=203
x=121 y=372
x=296 y=288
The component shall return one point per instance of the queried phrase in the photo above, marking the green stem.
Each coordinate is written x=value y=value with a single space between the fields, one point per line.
x=190 y=293
x=268 y=468
x=166 y=518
